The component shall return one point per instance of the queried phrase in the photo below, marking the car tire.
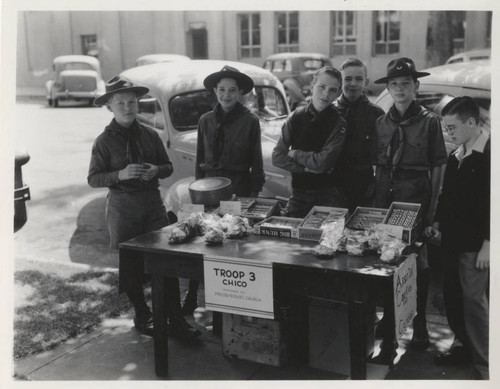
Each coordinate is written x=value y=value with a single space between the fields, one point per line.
x=50 y=102
x=91 y=103
x=56 y=103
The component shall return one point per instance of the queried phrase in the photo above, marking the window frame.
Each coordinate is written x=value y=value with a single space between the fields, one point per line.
x=386 y=42
x=286 y=47
x=343 y=41
x=254 y=49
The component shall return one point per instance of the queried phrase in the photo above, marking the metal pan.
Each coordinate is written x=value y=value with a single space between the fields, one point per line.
x=210 y=190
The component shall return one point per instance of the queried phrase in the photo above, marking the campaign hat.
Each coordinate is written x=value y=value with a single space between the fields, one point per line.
x=244 y=82
x=119 y=85
x=400 y=67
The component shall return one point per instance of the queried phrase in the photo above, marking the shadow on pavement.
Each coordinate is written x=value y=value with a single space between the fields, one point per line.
x=89 y=243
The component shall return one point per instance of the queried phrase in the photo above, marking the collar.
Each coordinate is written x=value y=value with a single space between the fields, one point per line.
x=313 y=115
x=412 y=111
x=115 y=128
x=224 y=117
x=346 y=103
x=478 y=146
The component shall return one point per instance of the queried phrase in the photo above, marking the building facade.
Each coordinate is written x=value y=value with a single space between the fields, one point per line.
x=117 y=38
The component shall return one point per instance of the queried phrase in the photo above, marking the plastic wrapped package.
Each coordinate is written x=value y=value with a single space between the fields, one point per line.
x=330 y=238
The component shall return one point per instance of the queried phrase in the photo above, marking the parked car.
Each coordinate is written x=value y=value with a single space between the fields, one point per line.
x=157 y=58
x=177 y=99
x=449 y=81
x=76 y=77
x=295 y=71
x=21 y=190
x=471 y=55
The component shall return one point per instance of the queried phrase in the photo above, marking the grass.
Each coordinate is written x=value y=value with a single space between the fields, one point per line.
x=56 y=308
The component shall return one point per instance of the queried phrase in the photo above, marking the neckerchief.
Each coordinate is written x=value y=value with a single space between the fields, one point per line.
x=134 y=149
x=222 y=119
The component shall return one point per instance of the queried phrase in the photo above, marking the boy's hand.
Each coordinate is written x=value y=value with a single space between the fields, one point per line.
x=483 y=257
x=131 y=171
x=431 y=232
x=292 y=153
x=150 y=172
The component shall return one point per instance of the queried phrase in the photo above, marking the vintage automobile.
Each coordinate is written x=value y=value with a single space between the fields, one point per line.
x=449 y=81
x=471 y=55
x=21 y=190
x=76 y=78
x=177 y=99
x=157 y=58
x=295 y=71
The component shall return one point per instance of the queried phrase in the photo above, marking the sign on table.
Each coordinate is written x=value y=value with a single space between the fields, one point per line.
x=405 y=294
x=239 y=286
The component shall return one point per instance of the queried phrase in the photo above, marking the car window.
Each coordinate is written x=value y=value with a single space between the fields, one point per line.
x=277 y=66
x=186 y=109
x=313 y=64
x=268 y=65
x=288 y=65
x=150 y=113
x=77 y=66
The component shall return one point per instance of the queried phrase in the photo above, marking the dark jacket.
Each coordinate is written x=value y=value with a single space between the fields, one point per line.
x=117 y=147
x=355 y=161
x=230 y=143
x=318 y=139
x=463 y=210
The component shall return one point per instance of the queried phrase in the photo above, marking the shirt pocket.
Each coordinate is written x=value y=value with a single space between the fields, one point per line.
x=149 y=155
x=416 y=150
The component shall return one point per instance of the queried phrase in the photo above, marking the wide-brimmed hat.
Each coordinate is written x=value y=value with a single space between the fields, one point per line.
x=119 y=85
x=243 y=81
x=401 y=67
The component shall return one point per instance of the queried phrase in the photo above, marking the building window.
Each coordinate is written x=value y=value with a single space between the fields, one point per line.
x=458 y=23
x=288 y=31
x=343 y=33
x=89 y=45
x=387 y=32
x=249 y=25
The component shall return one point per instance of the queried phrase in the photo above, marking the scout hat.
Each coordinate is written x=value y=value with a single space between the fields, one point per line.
x=401 y=67
x=119 y=85
x=243 y=81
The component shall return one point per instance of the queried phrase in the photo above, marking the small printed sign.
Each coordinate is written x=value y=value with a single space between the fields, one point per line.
x=230 y=207
x=190 y=208
x=239 y=286
x=405 y=294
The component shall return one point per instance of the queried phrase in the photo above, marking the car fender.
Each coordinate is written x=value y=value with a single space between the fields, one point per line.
x=178 y=194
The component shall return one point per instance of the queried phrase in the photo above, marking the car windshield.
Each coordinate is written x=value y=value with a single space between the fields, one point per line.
x=313 y=64
x=185 y=109
x=77 y=66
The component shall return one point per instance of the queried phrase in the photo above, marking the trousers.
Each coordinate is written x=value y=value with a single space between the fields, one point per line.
x=465 y=293
x=303 y=200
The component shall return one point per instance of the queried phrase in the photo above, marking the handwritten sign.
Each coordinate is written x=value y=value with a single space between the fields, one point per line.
x=188 y=209
x=239 y=286
x=405 y=294
x=230 y=207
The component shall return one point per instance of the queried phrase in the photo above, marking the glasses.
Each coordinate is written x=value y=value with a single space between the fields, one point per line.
x=450 y=129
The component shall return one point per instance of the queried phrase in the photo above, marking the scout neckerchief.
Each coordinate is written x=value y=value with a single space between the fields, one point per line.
x=222 y=119
x=134 y=147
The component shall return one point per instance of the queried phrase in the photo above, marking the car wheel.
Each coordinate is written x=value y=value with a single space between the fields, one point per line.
x=50 y=102
x=56 y=103
x=91 y=103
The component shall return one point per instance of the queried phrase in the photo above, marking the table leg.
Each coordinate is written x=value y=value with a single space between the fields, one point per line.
x=158 y=288
x=357 y=339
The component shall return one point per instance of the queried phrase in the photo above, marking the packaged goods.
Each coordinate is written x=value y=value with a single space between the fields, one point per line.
x=279 y=227
x=330 y=239
x=363 y=218
x=403 y=221
x=317 y=219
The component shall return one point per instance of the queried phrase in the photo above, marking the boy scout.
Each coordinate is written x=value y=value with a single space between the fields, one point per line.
x=310 y=145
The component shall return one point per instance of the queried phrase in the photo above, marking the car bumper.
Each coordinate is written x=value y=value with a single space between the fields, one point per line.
x=66 y=95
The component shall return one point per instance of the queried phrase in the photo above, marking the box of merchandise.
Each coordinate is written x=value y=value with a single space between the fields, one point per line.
x=364 y=218
x=403 y=221
x=310 y=228
x=278 y=227
x=254 y=339
x=256 y=209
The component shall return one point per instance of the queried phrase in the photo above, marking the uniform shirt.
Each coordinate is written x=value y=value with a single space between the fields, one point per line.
x=117 y=147
x=463 y=210
x=422 y=145
x=355 y=161
x=318 y=138
x=230 y=142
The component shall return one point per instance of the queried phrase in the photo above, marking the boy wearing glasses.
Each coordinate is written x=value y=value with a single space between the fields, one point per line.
x=310 y=144
x=463 y=221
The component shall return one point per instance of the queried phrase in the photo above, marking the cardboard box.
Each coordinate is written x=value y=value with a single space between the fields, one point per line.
x=257 y=209
x=329 y=335
x=365 y=217
x=278 y=227
x=403 y=221
x=254 y=339
x=310 y=228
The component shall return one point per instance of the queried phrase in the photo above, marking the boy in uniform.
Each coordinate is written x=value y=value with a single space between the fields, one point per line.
x=410 y=154
x=354 y=169
x=129 y=158
x=463 y=221
x=310 y=145
x=229 y=144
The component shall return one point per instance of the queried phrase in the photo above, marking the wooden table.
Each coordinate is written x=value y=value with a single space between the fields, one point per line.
x=353 y=280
